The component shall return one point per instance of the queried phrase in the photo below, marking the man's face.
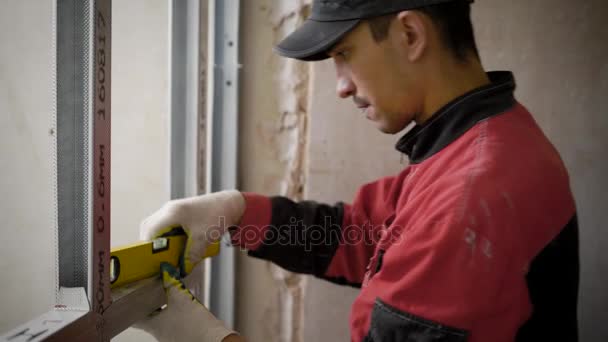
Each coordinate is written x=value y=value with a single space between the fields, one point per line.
x=378 y=77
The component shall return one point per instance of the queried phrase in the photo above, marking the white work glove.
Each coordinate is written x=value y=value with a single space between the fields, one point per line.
x=205 y=219
x=184 y=318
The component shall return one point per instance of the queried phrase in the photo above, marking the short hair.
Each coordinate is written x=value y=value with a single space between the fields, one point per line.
x=453 y=20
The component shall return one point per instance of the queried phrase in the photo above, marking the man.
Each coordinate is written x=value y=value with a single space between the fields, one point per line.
x=475 y=241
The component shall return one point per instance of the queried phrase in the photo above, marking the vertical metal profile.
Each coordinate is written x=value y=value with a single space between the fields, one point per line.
x=82 y=76
x=208 y=117
x=82 y=58
x=224 y=141
x=101 y=162
x=84 y=308
x=83 y=81
x=204 y=85
x=184 y=75
x=186 y=98
x=74 y=72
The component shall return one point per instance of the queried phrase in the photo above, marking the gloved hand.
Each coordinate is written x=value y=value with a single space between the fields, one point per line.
x=184 y=318
x=204 y=219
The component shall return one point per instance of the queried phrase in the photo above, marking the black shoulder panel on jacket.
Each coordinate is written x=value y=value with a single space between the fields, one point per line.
x=553 y=286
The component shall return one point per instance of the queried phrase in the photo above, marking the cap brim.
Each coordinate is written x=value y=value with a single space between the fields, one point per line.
x=312 y=40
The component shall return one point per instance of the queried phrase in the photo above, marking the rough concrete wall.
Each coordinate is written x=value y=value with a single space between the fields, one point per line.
x=273 y=129
x=558 y=52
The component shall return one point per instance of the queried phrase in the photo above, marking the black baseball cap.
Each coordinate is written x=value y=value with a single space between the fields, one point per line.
x=331 y=20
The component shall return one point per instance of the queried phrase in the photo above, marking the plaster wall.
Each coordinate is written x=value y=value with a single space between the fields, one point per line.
x=272 y=135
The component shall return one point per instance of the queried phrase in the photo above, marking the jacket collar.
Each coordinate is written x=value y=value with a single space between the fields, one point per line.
x=458 y=116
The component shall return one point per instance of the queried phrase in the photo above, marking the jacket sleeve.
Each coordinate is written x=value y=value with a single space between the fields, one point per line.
x=333 y=242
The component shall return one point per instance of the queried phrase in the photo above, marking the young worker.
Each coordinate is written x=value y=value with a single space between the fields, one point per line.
x=476 y=240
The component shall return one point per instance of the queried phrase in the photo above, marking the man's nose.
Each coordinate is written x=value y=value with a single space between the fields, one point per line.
x=345 y=87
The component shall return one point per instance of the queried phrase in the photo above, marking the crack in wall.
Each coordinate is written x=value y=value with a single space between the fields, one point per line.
x=292 y=131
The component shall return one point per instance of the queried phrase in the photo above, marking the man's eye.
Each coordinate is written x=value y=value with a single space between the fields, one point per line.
x=342 y=54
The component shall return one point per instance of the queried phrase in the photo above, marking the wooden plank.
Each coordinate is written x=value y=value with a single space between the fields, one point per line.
x=131 y=303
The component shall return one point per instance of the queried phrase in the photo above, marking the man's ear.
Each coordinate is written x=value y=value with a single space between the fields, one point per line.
x=413 y=33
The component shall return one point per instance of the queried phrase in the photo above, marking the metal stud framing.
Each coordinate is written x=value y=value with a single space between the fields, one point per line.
x=82 y=112
x=74 y=72
x=224 y=16
x=185 y=92
x=86 y=309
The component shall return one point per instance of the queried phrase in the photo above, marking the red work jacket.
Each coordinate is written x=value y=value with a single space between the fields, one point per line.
x=476 y=240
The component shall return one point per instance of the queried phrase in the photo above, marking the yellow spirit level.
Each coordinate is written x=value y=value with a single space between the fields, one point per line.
x=142 y=260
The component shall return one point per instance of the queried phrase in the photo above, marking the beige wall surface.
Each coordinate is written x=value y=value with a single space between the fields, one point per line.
x=558 y=53
x=140 y=119
x=140 y=114
x=27 y=264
